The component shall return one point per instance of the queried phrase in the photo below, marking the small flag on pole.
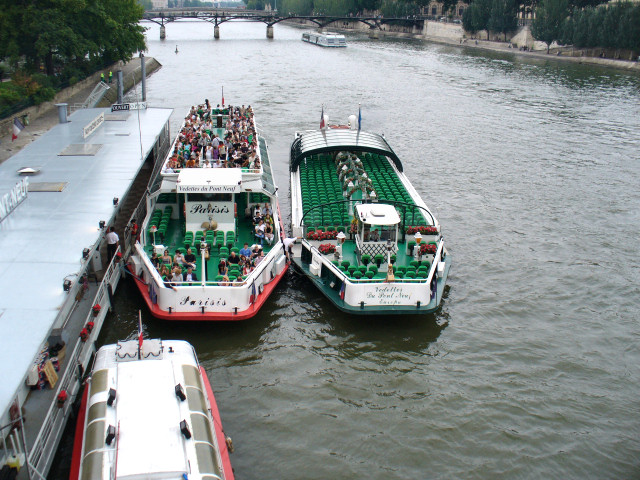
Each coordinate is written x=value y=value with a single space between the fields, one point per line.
x=252 y=298
x=359 y=117
x=17 y=128
x=342 y=289
x=223 y=96
x=139 y=329
x=322 y=125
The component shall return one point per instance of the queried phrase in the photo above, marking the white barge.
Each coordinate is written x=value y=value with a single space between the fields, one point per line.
x=327 y=39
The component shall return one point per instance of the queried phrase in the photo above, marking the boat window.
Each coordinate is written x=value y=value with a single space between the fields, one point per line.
x=92 y=466
x=94 y=436
x=379 y=233
x=196 y=400
x=96 y=411
x=191 y=376
x=209 y=197
x=206 y=459
x=201 y=429
x=98 y=382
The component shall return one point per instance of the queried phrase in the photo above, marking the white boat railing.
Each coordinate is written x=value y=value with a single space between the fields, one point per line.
x=341 y=275
x=45 y=445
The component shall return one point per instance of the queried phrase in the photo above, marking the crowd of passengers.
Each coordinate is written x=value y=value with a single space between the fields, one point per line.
x=172 y=270
x=198 y=146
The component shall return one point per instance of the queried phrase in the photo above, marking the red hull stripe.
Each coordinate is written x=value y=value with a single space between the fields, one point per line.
x=209 y=316
x=76 y=457
x=217 y=425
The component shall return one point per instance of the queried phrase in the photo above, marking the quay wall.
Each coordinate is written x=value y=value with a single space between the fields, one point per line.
x=454 y=34
x=36 y=111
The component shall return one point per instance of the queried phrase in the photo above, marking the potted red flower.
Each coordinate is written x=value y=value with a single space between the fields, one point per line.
x=96 y=309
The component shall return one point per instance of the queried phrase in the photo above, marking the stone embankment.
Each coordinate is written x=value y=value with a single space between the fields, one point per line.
x=454 y=34
x=44 y=116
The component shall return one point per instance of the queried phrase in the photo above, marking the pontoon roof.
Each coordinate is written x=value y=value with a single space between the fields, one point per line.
x=322 y=141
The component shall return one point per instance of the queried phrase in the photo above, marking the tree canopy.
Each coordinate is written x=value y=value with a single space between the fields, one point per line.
x=57 y=33
x=549 y=22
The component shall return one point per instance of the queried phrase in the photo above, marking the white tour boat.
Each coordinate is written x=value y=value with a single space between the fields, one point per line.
x=370 y=244
x=148 y=412
x=327 y=39
x=213 y=212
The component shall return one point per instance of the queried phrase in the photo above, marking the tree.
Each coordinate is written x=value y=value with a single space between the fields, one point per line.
x=69 y=32
x=476 y=17
x=549 y=22
x=503 y=17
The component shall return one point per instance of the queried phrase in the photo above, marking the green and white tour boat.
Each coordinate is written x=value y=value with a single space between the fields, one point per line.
x=369 y=242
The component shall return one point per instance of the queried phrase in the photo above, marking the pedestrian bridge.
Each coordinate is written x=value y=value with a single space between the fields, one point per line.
x=218 y=16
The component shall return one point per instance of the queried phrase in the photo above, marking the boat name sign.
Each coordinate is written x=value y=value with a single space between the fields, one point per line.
x=387 y=295
x=207 y=188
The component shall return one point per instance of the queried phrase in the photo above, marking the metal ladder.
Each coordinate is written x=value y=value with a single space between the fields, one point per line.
x=94 y=97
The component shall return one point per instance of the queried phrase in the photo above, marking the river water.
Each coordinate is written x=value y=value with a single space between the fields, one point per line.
x=531 y=367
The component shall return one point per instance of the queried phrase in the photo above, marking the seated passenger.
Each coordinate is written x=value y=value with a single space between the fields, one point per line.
x=222 y=267
x=189 y=276
x=233 y=259
x=178 y=258
x=190 y=258
x=245 y=252
x=268 y=234
x=166 y=258
x=260 y=231
x=374 y=236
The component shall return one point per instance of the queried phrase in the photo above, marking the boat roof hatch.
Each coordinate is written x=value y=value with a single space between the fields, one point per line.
x=322 y=141
x=209 y=180
x=377 y=214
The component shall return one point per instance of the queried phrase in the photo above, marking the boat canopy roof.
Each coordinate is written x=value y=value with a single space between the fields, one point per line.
x=323 y=141
x=377 y=214
x=209 y=180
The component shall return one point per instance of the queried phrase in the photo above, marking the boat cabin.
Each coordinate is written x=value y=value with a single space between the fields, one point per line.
x=377 y=228
x=209 y=197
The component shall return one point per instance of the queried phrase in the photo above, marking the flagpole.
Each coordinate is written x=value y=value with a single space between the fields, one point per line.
x=139 y=333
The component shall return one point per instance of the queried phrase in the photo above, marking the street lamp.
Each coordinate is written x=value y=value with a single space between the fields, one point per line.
x=340 y=237
x=418 y=238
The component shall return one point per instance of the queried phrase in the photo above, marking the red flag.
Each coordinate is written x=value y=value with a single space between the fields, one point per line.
x=223 y=96
x=322 y=125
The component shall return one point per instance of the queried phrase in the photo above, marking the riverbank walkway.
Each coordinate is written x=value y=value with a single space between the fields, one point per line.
x=45 y=121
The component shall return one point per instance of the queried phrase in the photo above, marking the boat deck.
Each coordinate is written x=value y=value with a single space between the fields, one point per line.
x=322 y=193
x=175 y=235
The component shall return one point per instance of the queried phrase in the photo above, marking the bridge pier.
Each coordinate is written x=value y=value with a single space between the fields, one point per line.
x=269 y=31
x=373 y=33
x=163 y=32
x=216 y=32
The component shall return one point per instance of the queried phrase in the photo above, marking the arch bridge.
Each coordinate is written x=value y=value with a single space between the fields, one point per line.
x=218 y=16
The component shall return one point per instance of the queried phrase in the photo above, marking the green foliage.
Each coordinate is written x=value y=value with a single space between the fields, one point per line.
x=614 y=26
x=399 y=8
x=549 y=23
x=55 y=33
x=477 y=16
x=503 y=17
x=252 y=4
x=337 y=8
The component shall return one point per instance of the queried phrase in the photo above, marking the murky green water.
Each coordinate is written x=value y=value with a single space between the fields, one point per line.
x=531 y=368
